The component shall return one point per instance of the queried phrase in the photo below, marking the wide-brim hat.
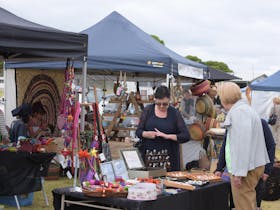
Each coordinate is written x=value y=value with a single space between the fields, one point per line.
x=23 y=110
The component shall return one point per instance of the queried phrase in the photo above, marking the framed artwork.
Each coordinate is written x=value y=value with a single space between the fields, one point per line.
x=120 y=169
x=132 y=158
x=107 y=171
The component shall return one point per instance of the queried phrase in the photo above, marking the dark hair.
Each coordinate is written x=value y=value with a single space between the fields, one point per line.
x=162 y=92
x=37 y=107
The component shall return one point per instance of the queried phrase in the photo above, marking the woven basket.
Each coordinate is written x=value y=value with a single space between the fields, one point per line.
x=104 y=193
x=200 y=88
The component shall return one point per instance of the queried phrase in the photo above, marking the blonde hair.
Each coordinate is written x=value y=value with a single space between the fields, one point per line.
x=229 y=92
x=276 y=100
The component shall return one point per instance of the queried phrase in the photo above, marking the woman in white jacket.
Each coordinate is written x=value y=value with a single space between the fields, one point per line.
x=245 y=151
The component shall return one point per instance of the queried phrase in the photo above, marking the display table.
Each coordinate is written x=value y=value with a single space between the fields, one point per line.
x=21 y=172
x=213 y=196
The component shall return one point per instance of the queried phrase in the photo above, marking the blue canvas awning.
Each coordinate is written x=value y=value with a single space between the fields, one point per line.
x=116 y=44
x=270 y=83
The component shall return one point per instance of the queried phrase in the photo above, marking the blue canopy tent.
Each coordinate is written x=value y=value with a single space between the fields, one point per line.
x=117 y=44
x=270 y=83
x=263 y=93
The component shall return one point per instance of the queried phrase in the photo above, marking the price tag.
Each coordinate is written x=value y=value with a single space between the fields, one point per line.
x=102 y=157
x=69 y=175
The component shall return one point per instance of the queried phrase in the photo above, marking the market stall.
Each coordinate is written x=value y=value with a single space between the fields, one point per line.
x=21 y=39
x=211 y=197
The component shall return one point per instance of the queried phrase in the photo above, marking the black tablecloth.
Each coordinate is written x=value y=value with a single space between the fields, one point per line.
x=210 y=197
x=20 y=172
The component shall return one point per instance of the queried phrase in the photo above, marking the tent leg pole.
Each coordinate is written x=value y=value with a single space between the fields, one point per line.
x=84 y=93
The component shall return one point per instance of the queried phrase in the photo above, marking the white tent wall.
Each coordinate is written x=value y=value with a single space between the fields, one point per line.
x=262 y=102
x=10 y=95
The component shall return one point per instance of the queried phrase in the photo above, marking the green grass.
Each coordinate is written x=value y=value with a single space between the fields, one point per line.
x=39 y=203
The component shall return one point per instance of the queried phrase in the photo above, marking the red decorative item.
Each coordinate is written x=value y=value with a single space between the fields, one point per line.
x=26 y=146
x=200 y=88
x=84 y=154
x=65 y=152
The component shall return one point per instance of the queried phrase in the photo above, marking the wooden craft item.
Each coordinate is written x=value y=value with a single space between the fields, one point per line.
x=197 y=131
x=180 y=185
x=178 y=174
x=204 y=105
x=211 y=123
x=204 y=176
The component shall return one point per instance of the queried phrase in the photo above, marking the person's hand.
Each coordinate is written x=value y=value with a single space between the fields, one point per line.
x=218 y=173
x=264 y=177
x=160 y=134
x=150 y=134
x=236 y=181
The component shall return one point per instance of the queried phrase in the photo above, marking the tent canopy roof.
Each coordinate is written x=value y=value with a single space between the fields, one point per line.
x=20 y=38
x=218 y=75
x=117 y=44
x=270 y=83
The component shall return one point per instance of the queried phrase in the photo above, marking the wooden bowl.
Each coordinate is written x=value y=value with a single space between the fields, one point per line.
x=197 y=131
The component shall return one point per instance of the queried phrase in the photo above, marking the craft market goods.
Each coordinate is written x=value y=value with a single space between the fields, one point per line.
x=217 y=131
x=197 y=131
x=211 y=123
x=180 y=185
x=200 y=88
x=95 y=188
x=204 y=105
x=178 y=174
x=142 y=191
x=203 y=176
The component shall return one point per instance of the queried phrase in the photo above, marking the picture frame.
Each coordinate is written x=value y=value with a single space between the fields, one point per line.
x=120 y=169
x=107 y=170
x=132 y=158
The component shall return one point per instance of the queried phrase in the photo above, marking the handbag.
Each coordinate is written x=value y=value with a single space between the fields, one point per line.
x=272 y=119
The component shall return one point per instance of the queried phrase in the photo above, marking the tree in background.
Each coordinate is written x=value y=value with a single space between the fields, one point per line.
x=194 y=58
x=218 y=65
x=158 y=39
x=213 y=64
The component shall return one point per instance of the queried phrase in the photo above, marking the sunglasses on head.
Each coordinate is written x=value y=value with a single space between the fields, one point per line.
x=161 y=104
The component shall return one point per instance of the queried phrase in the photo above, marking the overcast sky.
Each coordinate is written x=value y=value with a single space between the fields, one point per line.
x=244 y=34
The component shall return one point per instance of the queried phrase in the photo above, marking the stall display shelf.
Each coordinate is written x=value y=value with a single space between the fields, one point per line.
x=117 y=117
